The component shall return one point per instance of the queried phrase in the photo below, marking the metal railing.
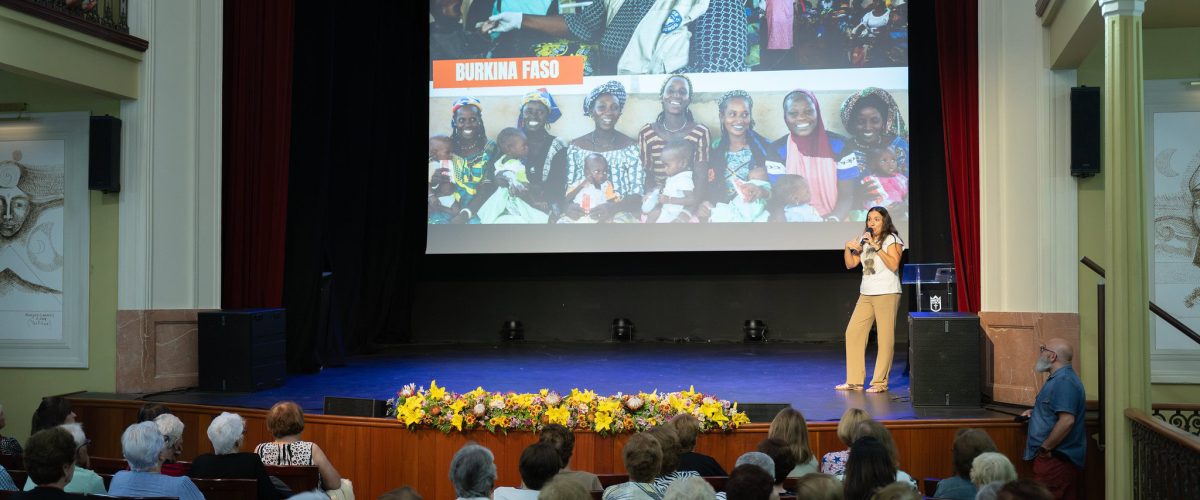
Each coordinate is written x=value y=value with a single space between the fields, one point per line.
x=1166 y=460
x=104 y=19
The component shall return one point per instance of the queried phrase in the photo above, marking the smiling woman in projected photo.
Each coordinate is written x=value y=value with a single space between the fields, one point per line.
x=470 y=142
x=812 y=152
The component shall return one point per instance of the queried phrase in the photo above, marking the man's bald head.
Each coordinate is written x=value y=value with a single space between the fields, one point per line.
x=1062 y=348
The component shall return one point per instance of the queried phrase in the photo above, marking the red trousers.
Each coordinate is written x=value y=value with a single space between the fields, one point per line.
x=1059 y=475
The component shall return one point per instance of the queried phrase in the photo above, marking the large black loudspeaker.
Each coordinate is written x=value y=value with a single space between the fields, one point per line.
x=1085 y=131
x=242 y=350
x=355 y=407
x=104 y=154
x=944 y=359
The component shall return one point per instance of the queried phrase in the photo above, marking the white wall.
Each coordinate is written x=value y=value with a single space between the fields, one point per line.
x=1027 y=197
x=170 y=209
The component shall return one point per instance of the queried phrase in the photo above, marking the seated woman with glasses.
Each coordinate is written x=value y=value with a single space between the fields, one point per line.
x=83 y=480
x=142 y=446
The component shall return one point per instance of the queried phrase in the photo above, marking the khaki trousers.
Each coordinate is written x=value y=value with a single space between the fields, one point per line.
x=881 y=310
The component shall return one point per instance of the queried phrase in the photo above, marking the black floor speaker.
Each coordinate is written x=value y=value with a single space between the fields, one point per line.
x=762 y=412
x=944 y=352
x=242 y=350
x=355 y=407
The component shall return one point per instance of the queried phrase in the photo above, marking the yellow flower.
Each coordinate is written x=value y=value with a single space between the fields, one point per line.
x=522 y=400
x=436 y=393
x=477 y=392
x=544 y=392
x=714 y=413
x=603 y=422
x=558 y=415
x=498 y=421
x=677 y=404
x=739 y=419
x=608 y=406
x=456 y=421
x=458 y=405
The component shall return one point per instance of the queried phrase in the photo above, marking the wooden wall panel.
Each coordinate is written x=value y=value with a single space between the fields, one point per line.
x=379 y=455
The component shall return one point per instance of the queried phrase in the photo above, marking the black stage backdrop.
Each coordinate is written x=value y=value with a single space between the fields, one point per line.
x=356 y=209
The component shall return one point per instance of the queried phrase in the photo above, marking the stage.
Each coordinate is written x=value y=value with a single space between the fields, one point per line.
x=800 y=374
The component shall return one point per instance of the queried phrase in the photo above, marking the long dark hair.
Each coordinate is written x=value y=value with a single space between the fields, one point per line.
x=870 y=467
x=52 y=412
x=888 y=227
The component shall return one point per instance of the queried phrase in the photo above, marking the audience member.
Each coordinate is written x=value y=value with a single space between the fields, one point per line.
x=819 y=487
x=898 y=490
x=876 y=430
x=142 y=445
x=226 y=432
x=749 y=482
x=1024 y=489
x=869 y=468
x=968 y=444
x=285 y=420
x=401 y=493
x=563 y=488
x=151 y=411
x=989 y=491
x=760 y=459
x=687 y=427
x=790 y=426
x=171 y=429
x=643 y=460
x=690 y=488
x=50 y=461
x=473 y=472
x=834 y=462
x=784 y=458
x=563 y=440
x=539 y=463
x=83 y=480
x=8 y=444
x=6 y=480
x=991 y=466
x=52 y=412
x=669 y=441
x=1057 y=439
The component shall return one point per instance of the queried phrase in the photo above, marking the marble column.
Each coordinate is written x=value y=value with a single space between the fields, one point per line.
x=1126 y=343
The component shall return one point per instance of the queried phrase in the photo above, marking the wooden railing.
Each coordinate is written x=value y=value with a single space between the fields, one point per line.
x=1166 y=460
x=1183 y=416
x=104 y=19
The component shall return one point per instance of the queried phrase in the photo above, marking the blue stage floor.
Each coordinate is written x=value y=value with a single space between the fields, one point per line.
x=800 y=374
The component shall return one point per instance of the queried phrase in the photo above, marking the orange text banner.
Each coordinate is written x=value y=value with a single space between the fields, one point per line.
x=511 y=72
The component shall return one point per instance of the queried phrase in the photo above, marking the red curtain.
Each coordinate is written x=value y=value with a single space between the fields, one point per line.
x=256 y=134
x=958 y=75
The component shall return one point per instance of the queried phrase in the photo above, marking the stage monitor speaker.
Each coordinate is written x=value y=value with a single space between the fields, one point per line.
x=104 y=154
x=762 y=412
x=242 y=350
x=944 y=353
x=1086 y=121
x=355 y=407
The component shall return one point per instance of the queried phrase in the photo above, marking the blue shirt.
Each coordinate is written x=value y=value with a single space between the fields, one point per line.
x=139 y=484
x=955 y=488
x=1063 y=393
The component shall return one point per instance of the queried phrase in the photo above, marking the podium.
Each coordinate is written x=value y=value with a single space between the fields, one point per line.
x=933 y=287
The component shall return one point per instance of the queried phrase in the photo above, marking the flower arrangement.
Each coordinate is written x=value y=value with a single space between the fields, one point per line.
x=584 y=410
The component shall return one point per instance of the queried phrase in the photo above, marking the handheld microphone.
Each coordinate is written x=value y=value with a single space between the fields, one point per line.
x=865 y=238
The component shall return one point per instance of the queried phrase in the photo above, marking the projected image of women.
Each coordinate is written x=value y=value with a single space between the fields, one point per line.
x=469 y=142
x=812 y=152
x=673 y=123
x=879 y=143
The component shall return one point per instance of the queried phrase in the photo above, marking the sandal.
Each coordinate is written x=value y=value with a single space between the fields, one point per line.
x=848 y=387
x=877 y=389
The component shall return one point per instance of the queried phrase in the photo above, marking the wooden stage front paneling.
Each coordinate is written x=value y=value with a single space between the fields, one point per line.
x=380 y=454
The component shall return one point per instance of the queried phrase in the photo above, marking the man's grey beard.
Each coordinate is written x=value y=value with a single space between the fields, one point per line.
x=1042 y=365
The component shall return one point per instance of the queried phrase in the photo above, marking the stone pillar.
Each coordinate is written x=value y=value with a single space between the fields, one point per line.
x=1126 y=343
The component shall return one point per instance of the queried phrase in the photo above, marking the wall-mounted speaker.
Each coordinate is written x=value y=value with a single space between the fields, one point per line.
x=104 y=154
x=1086 y=122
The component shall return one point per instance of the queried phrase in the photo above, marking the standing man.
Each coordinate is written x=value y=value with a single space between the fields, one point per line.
x=1057 y=441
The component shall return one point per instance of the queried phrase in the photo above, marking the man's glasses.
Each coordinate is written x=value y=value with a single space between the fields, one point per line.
x=1043 y=348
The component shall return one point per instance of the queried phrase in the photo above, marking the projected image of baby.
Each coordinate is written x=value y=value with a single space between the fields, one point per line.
x=887 y=187
x=751 y=204
x=442 y=157
x=678 y=193
x=512 y=202
x=790 y=201
x=443 y=201
x=593 y=191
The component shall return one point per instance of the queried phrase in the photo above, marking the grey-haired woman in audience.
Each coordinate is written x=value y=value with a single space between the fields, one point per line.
x=473 y=472
x=142 y=446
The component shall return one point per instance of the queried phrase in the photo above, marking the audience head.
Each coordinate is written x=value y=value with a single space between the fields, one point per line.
x=819 y=487
x=539 y=463
x=989 y=491
x=899 y=490
x=1024 y=489
x=848 y=425
x=562 y=439
x=876 y=430
x=968 y=444
x=561 y=488
x=473 y=472
x=643 y=457
x=687 y=427
x=50 y=456
x=781 y=454
x=401 y=493
x=52 y=412
x=870 y=467
x=225 y=432
x=81 y=442
x=669 y=441
x=991 y=466
x=790 y=426
x=142 y=446
x=151 y=411
x=749 y=482
x=690 y=488
x=285 y=419
x=759 y=459
x=171 y=429
x=3 y=417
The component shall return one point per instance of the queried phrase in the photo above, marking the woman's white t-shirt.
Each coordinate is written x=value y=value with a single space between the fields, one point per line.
x=877 y=278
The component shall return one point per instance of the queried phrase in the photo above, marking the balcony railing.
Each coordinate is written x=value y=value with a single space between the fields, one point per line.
x=1165 y=459
x=104 y=19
